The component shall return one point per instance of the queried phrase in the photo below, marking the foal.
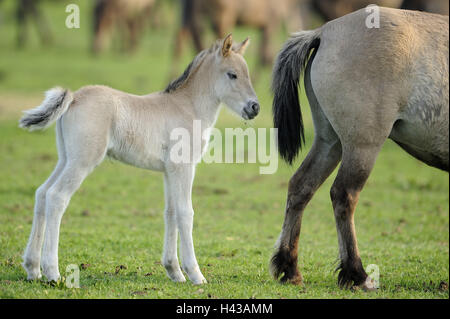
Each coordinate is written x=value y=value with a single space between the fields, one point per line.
x=98 y=121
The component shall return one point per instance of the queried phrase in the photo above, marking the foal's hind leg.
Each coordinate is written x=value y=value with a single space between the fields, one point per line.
x=318 y=165
x=356 y=166
x=82 y=158
x=57 y=199
x=32 y=255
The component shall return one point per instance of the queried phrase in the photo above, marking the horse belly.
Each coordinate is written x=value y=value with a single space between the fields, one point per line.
x=140 y=154
x=422 y=126
x=421 y=143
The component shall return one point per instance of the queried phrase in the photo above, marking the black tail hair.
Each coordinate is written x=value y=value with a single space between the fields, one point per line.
x=287 y=116
x=55 y=104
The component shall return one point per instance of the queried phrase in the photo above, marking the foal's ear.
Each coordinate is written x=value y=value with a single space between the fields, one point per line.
x=242 y=47
x=226 y=46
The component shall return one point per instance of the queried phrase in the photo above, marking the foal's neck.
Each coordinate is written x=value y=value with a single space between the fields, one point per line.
x=199 y=95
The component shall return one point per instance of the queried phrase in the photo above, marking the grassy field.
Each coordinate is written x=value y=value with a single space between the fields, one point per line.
x=116 y=219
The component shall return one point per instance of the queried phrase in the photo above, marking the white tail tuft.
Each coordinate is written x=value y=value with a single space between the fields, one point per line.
x=55 y=104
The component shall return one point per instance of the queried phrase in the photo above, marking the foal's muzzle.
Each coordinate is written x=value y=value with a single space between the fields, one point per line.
x=251 y=110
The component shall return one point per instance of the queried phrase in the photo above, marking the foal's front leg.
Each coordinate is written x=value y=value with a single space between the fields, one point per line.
x=179 y=183
x=170 y=258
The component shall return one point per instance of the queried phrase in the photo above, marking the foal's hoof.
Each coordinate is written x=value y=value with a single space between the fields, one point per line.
x=177 y=277
x=53 y=279
x=51 y=274
x=33 y=273
x=195 y=275
x=200 y=281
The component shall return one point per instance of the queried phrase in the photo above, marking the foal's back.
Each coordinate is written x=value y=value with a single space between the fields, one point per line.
x=118 y=124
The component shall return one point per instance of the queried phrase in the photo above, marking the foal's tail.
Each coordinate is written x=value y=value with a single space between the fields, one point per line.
x=56 y=103
x=287 y=116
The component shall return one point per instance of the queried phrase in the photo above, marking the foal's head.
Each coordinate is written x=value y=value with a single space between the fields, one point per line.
x=223 y=70
x=231 y=78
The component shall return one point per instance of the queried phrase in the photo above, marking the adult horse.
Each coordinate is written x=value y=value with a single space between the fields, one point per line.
x=364 y=85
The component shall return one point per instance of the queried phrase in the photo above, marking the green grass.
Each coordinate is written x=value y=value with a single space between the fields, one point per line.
x=116 y=217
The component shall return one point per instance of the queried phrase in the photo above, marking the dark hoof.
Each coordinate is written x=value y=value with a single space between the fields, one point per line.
x=283 y=263
x=348 y=280
x=351 y=275
x=368 y=285
x=296 y=280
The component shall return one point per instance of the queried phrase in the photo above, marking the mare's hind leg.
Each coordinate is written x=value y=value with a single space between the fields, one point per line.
x=32 y=255
x=322 y=159
x=318 y=165
x=362 y=109
x=356 y=166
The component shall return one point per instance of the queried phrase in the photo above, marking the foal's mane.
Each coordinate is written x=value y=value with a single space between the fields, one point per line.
x=191 y=68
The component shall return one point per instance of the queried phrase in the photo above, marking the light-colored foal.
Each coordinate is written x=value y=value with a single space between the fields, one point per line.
x=97 y=121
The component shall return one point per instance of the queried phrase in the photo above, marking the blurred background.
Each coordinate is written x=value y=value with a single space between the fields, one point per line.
x=138 y=46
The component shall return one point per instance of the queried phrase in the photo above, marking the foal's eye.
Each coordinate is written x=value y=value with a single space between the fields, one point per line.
x=232 y=75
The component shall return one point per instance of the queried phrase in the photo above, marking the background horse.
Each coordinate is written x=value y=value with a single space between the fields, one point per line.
x=97 y=121
x=269 y=15
x=265 y=15
x=364 y=85
x=433 y=6
x=27 y=10
x=329 y=10
x=128 y=16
